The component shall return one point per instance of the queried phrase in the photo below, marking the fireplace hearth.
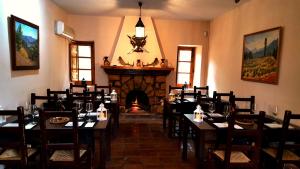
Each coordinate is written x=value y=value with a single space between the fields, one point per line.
x=136 y=101
x=139 y=88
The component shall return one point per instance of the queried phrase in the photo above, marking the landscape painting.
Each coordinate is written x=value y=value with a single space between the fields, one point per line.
x=261 y=56
x=24 y=44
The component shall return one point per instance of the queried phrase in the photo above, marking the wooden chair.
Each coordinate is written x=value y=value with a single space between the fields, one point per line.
x=63 y=97
x=60 y=144
x=107 y=89
x=222 y=100
x=288 y=148
x=183 y=107
x=77 y=88
x=237 y=153
x=49 y=103
x=204 y=90
x=14 y=151
x=53 y=93
x=205 y=101
x=175 y=88
x=243 y=104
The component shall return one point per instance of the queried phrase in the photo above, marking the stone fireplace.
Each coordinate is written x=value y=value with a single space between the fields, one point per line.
x=139 y=87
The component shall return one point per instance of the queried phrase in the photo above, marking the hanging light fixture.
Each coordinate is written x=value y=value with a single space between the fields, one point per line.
x=138 y=41
x=139 y=27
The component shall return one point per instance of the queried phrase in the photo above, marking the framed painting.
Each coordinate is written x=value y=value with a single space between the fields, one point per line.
x=24 y=37
x=261 y=56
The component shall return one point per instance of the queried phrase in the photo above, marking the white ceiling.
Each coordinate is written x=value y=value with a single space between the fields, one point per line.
x=174 y=9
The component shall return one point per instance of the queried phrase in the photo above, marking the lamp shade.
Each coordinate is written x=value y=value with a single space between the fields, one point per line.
x=139 y=29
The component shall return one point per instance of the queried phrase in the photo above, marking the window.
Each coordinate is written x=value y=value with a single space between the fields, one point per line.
x=185 y=66
x=82 y=62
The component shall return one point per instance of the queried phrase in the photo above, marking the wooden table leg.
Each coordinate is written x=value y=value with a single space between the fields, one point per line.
x=184 y=139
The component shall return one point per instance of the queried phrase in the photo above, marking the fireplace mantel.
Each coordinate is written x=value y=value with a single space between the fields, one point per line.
x=127 y=70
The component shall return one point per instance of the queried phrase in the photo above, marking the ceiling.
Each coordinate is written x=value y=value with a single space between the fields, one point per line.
x=171 y=9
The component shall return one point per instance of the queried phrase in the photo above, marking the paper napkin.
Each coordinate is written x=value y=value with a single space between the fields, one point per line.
x=70 y=124
x=90 y=124
x=29 y=126
x=11 y=125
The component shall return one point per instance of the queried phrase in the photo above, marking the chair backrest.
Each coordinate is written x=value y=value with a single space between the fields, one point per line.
x=205 y=101
x=184 y=95
x=14 y=137
x=204 y=90
x=222 y=100
x=247 y=140
x=77 y=88
x=175 y=88
x=51 y=135
x=289 y=139
x=107 y=89
x=188 y=102
x=48 y=102
x=52 y=93
x=243 y=104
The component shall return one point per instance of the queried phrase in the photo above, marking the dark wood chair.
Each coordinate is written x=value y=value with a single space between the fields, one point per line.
x=238 y=153
x=62 y=93
x=78 y=88
x=60 y=144
x=63 y=97
x=14 y=151
x=184 y=106
x=175 y=88
x=243 y=104
x=107 y=89
x=204 y=90
x=205 y=101
x=222 y=100
x=288 y=150
x=47 y=102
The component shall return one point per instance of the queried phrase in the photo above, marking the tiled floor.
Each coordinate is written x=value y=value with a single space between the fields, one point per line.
x=142 y=143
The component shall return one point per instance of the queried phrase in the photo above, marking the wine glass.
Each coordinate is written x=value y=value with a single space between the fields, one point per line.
x=34 y=113
x=227 y=109
x=89 y=109
x=211 y=107
x=78 y=106
x=27 y=109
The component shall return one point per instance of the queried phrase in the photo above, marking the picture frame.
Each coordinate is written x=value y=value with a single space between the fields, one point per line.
x=24 y=38
x=261 y=56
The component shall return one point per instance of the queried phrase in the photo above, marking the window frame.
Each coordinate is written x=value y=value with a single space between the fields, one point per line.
x=82 y=43
x=192 y=67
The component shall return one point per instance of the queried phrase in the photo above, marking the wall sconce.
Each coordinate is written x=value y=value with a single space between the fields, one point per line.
x=138 y=40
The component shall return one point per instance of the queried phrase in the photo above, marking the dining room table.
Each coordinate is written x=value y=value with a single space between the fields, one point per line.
x=95 y=132
x=214 y=124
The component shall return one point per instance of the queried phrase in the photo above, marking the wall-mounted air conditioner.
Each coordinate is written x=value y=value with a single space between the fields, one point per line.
x=64 y=30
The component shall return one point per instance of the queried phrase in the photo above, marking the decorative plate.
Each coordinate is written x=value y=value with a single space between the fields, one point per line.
x=58 y=120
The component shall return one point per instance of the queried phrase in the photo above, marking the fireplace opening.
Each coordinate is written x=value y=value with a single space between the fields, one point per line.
x=137 y=100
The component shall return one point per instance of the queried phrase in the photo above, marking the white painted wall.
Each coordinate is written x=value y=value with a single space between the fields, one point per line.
x=226 y=45
x=16 y=86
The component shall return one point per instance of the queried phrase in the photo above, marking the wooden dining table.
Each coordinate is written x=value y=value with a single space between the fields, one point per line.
x=100 y=133
x=206 y=132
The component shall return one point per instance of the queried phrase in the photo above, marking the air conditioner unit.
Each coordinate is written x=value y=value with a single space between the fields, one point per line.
x=64 y=30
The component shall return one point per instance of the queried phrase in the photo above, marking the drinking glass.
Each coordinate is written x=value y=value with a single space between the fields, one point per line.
x=34 y=113
x=211 y=107
x=27 y=109
x=78 y=106
x=89 y=109
x=227 y=109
